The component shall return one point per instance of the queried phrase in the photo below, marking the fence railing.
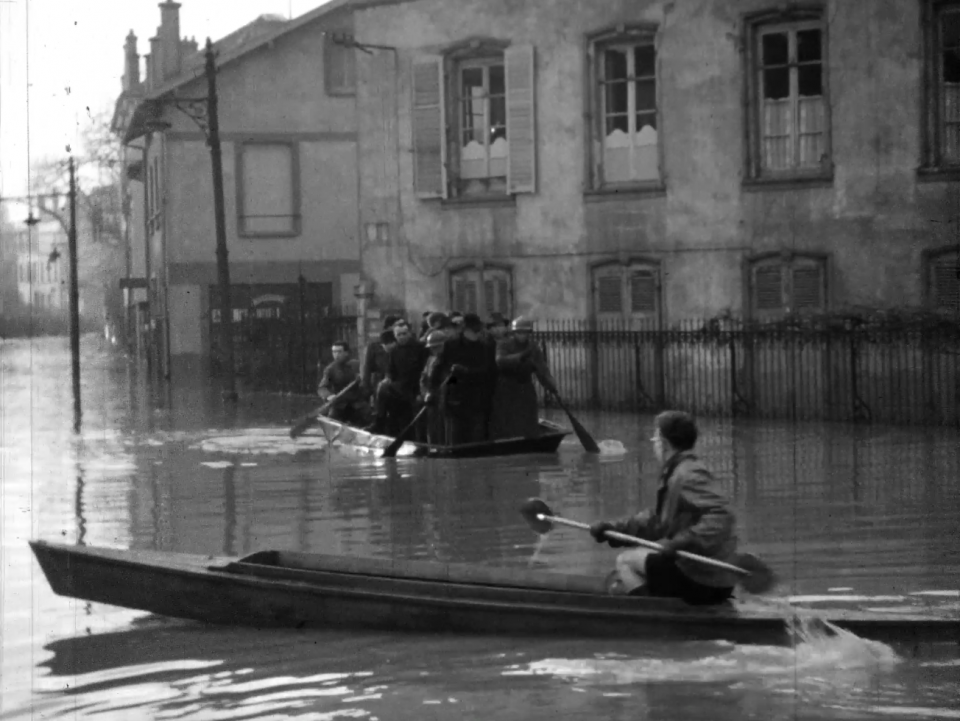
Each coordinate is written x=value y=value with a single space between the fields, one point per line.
x=893 y=373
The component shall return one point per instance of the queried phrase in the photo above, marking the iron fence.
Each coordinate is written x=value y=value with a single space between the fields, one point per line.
x=282 y=349
x=900 y=373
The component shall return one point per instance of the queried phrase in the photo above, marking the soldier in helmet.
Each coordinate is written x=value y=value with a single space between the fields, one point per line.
x=519 y=359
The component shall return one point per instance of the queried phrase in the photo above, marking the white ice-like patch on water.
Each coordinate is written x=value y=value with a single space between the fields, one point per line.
x=216 y=464
x=947 y=594
x=839 y=589
x=610 y=447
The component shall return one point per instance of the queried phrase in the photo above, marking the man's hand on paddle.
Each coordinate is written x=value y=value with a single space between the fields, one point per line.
x=599 y=532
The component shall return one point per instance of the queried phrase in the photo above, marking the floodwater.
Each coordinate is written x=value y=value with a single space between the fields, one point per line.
x=868 y=514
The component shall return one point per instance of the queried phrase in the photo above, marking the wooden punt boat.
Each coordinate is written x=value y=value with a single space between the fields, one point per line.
x=270 y=588
x=547 y=442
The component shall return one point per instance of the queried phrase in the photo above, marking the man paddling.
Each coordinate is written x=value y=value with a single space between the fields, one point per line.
x=692 y=514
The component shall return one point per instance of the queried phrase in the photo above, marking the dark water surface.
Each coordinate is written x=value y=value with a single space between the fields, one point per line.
x=868 y=513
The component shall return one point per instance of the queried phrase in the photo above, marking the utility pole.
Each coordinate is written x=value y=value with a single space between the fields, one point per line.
x=223 y=268
x=74 y=298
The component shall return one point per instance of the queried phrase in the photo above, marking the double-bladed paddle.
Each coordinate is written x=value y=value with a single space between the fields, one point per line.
x=754 y=575
x=313 y=416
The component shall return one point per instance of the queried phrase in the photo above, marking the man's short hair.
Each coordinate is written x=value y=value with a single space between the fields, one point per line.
x=389 y=321
x=340 y=344
x=678 y=428
x=387 y=336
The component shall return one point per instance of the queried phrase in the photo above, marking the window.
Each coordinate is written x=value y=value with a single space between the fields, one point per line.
x=789 y=117
x=786 y=283
x=340 y=65
x=941 y=29
x=473 y=121
x=943 y=280
x=627 y=291
x=268 y=189
x=623 y=100
x=483 y=290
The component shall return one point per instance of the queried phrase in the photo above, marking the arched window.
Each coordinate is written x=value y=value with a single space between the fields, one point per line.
x=943 y=280
x=787 y=283
x=629 y=290
x=482 y=289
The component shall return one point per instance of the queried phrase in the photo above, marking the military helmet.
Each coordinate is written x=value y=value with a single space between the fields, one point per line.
x=522 y=324
x=435 y=338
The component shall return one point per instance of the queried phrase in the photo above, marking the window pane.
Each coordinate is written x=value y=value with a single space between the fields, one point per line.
x=646 y=95
x=614 y=65
x=946 y=284
x=809 y=82
x=498 y=118
x=497 y=86
x=645 y=61
x=776 y=83
x=775 y=49
x=474 y=101
x=618 y=122
x=616 y=98
x=808 y=45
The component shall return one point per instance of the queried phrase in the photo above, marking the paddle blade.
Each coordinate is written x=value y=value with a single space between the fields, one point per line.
x=303 y=424
x=532 y=510
x=761 y=578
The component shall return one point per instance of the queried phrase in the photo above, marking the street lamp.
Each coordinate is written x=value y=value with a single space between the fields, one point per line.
x=203 y=112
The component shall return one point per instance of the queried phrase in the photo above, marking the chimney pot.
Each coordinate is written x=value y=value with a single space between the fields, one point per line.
x=169 y=34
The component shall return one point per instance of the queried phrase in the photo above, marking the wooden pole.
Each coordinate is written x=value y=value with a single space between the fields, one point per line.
x=74 y=299
x=223 y=268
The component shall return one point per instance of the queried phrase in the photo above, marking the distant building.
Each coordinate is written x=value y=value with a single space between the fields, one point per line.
x=42 y=267
x=288 y=132
x=653 y=161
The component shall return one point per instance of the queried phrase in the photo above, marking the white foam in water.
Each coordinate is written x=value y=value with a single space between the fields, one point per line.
x=821 y=651
x=947 y=594
x=610 y=447
x=262 y=441
x=216 y=464
x=839 y=589
x=813 y=598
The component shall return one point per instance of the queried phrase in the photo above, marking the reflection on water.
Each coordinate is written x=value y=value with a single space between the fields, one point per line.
x=865 y=513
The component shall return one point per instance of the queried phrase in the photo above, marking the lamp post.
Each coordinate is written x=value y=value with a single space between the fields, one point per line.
x=204 y=112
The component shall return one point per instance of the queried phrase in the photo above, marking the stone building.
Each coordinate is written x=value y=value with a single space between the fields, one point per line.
x=659 y=160
x=288 y=134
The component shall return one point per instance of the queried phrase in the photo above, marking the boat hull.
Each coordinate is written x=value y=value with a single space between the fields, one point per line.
x=547 y=442
x=308 y=590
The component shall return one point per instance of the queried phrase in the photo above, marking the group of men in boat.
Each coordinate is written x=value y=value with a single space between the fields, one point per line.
x=473 y=380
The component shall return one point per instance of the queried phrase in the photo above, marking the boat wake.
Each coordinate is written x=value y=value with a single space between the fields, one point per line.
x=822 y=654
x=259 y=441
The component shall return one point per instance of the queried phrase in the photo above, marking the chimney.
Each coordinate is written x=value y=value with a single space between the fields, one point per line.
x=148 y=72
x=169 y=33
x=131 y=64
x=156 y=62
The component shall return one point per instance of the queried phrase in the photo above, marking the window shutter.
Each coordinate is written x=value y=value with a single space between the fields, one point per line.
x=429 y=129
x=946 y=285
x=609 y=294
x=643 y=292
x=808 y=288
x=768 y=287
x=521 y=120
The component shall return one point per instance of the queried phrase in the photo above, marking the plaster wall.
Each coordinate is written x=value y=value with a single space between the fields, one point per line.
x=873 y=218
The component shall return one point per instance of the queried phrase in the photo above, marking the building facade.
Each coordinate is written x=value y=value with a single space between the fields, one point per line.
x=43 y=270
x=654 y=161
x=288 y=136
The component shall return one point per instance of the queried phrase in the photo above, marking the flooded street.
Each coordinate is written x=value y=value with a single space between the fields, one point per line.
x=867 y=513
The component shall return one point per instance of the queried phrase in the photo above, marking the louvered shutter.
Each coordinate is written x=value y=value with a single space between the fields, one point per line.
x=808 y=288
x=609 y=294
x=768 y=287
x=643 y=292
x=946 y=285
x=470 y=296
x=429 y=129
x=521 y=119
